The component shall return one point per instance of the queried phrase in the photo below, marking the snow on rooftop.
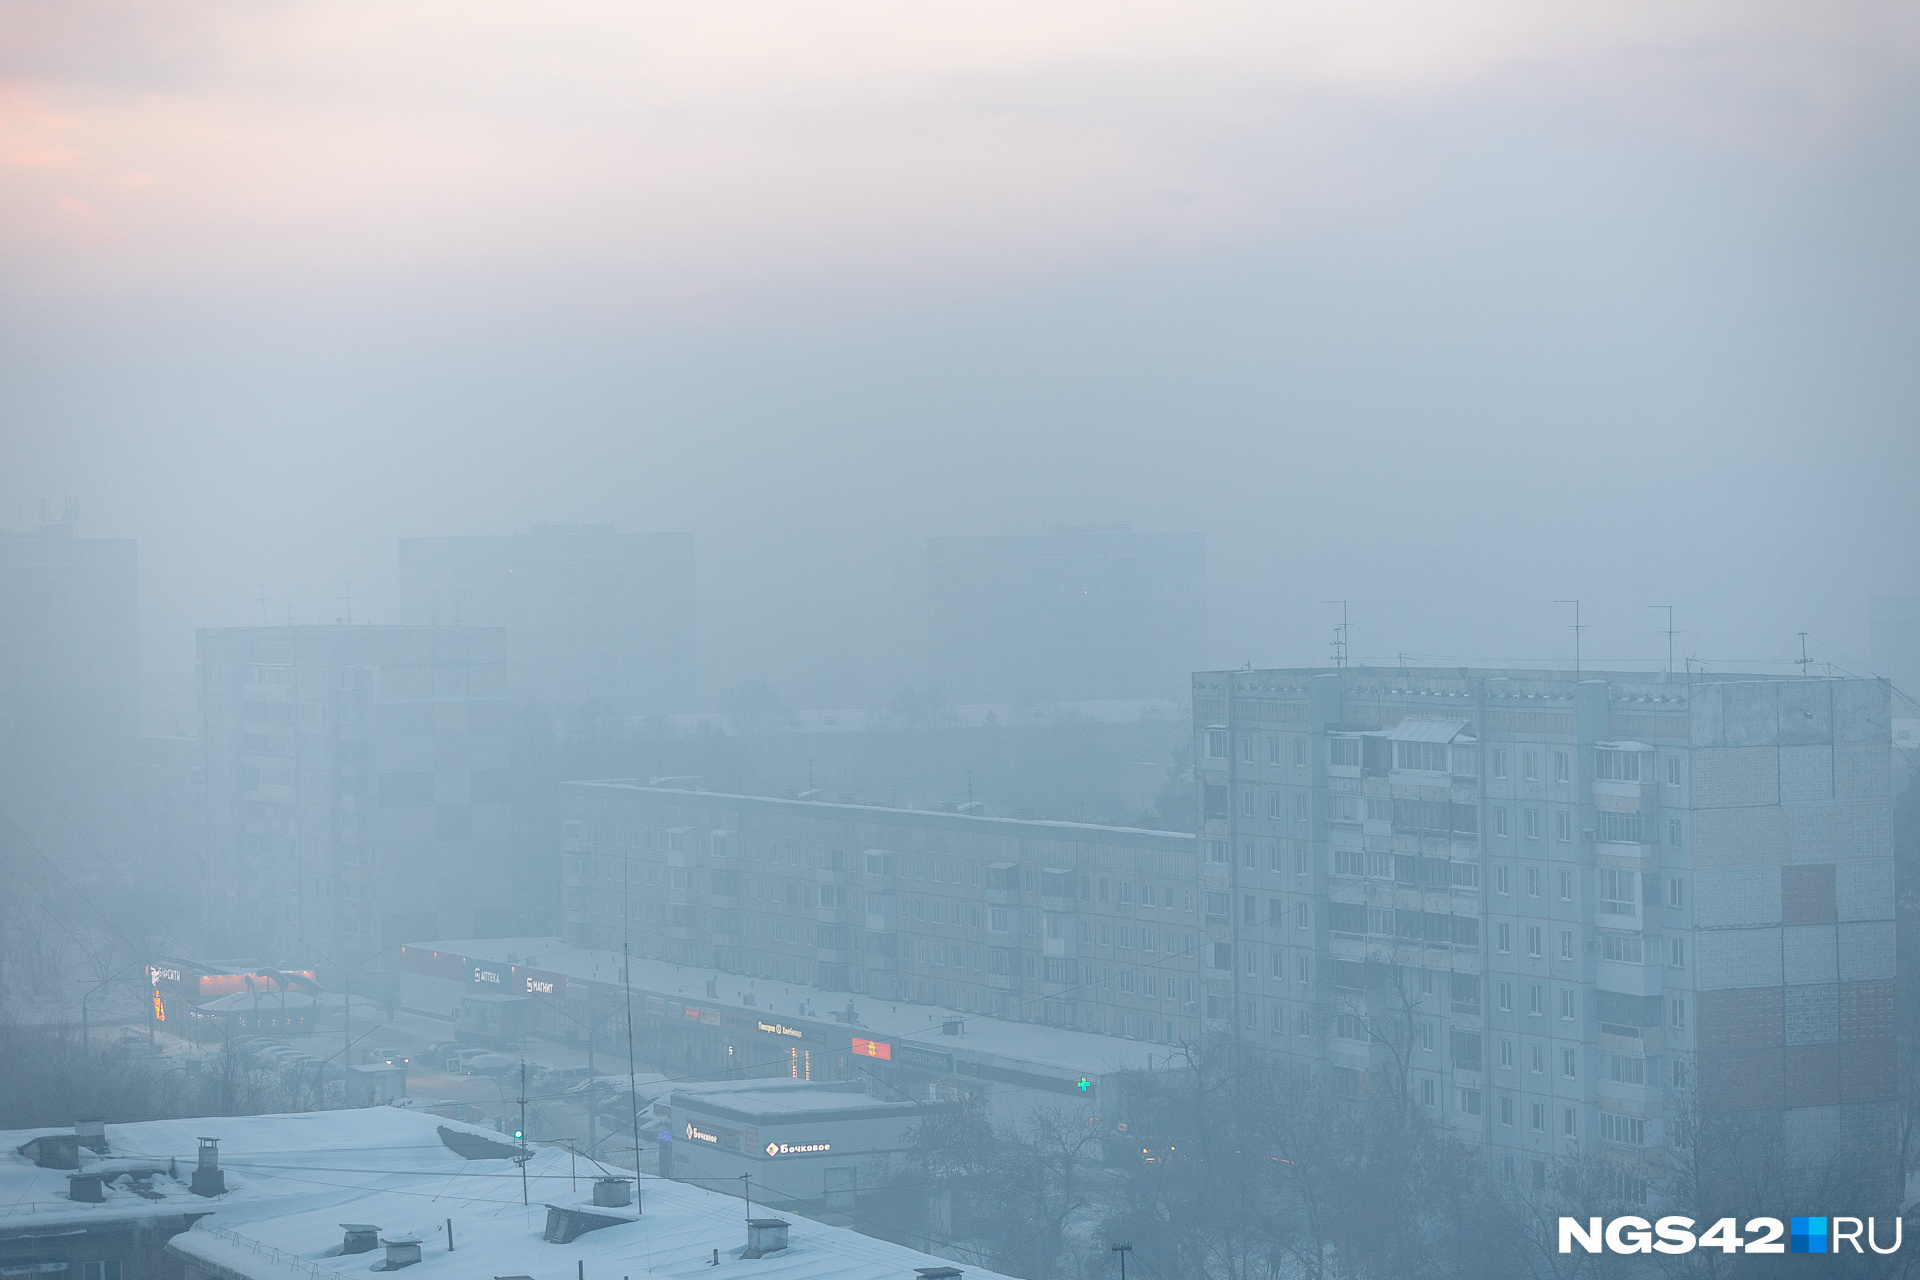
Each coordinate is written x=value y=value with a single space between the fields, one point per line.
x=294 y=1179
x=1019 y=1044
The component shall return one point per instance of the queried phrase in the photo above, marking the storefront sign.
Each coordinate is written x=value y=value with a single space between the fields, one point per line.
x=482 y=974
x=873 y=1049
x=696 y=1134
x=796 y=1148
x=157 y=973
x=926 y=1059
x=781 y=1029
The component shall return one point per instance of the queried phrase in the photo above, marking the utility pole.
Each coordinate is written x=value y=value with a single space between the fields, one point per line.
x=746 y=1190
x=522 y=1135
x=1577 y=629
x=1803 y=659
x=1671 y=633
x=1123 y=1250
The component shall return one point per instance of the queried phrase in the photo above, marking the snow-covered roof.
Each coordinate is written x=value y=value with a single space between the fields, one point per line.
x=294 y=1179
x=1016 y=1045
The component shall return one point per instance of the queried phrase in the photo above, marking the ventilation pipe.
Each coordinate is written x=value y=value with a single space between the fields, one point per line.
x=208 y=1178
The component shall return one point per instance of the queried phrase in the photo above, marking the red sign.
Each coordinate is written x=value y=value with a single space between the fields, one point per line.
x=873 y=1049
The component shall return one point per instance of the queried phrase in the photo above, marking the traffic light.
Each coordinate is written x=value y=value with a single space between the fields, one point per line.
x=517 y=1135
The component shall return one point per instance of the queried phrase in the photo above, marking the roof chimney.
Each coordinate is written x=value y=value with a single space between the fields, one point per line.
x=361 y=1237
x=952 y=1026
x=208 y=1178
x=86 y=1188
x=612 y=1193
x=765 y=1236
x=402 y=1251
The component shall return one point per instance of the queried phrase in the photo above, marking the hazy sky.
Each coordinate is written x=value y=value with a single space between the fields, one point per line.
x=1449 y=310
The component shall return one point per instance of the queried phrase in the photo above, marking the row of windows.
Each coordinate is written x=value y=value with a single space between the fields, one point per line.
x=1432 y=757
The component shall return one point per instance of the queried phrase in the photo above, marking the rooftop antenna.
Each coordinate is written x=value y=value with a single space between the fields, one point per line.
x=1339 y=635
x=1671 y=633
x=626 y=979
x=1803 y=659
x=1577 y=629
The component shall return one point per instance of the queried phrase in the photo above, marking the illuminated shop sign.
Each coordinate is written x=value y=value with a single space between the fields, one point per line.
x=157 y=973
x=780 y=1029
x=536 y=987
x=486 y=975
x=796 y=1148
x=873 y=1049
x=696 y=1134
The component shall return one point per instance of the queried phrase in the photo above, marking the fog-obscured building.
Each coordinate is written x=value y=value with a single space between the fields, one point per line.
x=1079 y=613
x=1563 y=913
x=593 y=617
x=356 y=784
x=69 y=685
x=1893 y=646
x=1076 y=925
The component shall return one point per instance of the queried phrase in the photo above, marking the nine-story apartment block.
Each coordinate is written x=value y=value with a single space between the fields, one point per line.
x=1560 y=911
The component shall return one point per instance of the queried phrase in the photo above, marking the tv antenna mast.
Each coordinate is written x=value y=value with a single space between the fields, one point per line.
x=1340 y=649
x=1671 y=633
x=1803 y=659
x=1577 y=629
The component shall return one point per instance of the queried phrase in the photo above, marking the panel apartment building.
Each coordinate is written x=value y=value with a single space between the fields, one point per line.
x=1573 y=907
x=1089 y=927
x=356 y=781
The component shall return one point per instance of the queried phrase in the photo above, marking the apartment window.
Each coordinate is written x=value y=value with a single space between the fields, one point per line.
x=1300 y=915
x=1299 y=806
x=1538 y=1116
x=1677 y=1013
x=1246 y=749
x=1425 y=757
x=1566 y=944
x=1562 y=770
x=997 y=919
x=1673 y=832
x=1276 y=912
x=1506 y=999
x=1566 y=1004
x=1675 y=894
x=1536 y=998
x=1567 y=1123
x=1500 y=880
x=1539 y=1060
x=1677 y=957
x=1246 y=854
x=1500 y=823
x=1216 y=744
x=1506 y=1168
x=1186 y=900
x=1273 y=805
x=1506 y=1055
x=1425 y=1036
x=1506 y=1118
x=1279 y=969
x=1499 y=762
x=1468 y=1101
x=1343 y=751
x=1273 y=751
x=1622 y=947
x=1563 y=826
x=1673 y=771
x=1533 y=940
x=1618 y=894
x=1299 y=862
x=1299 y=753
x=1566 y=886
x=1503 y=938
x=1629 y=1130
x=1531 y=820
x=1216 y=852
x=108 y=1269
x=1426 y=1090
x=1533 y=882
x=1530 y=759
x=1302 y=1023
x=1246 y=804
x=1569 y=1064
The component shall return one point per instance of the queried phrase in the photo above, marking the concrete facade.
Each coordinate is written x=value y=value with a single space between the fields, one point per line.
x=1561 y=911
x=356 y=785
x=1071 y=924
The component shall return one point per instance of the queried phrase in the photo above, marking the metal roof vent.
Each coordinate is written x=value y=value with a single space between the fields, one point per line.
x=86 y=1188
x=952 y=1026
x=765 y=1236
x=92 y=1134
x=937 y=1273
x=208 y=1177
x=612 y=1193
x=402 y=1251
x=361 y=1237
